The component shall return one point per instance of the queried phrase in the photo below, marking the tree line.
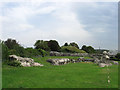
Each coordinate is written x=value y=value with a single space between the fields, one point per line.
x=41 y=48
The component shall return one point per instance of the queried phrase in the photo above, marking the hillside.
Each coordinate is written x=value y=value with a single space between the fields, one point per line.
x=71 y=49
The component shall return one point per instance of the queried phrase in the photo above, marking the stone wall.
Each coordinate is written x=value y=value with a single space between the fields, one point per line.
x=53 y=53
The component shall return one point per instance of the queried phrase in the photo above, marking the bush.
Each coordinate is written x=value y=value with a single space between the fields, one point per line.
x=43 y=52
x=14 y=63
x=30 y=52
x=13 y=52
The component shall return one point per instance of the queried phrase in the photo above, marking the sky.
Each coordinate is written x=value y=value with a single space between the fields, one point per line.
x=86 y=23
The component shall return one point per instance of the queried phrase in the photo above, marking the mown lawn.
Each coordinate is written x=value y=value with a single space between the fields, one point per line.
x=72 y=75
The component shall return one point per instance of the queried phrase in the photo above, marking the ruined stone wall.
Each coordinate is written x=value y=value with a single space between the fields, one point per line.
x=52 y=53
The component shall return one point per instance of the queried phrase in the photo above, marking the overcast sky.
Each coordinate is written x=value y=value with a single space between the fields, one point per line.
x=86 y=23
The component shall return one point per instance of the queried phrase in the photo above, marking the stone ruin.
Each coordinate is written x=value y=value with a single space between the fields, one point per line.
x=101 y=60
x=61 y=61
x=25 y=62
x=104 y=60
x=54 y=53
x=82 y=59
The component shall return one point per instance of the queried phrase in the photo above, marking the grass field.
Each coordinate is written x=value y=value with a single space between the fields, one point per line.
x=72 y=75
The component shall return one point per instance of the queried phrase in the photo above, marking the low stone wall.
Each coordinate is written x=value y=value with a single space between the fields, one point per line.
x=61 y=61
x=82 y=59
x=52 y=53
x=100 y=63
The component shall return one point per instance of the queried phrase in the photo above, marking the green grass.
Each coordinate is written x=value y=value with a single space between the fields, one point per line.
x=72 y=75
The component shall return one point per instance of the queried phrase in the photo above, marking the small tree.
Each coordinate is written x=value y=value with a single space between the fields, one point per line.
x=117 y=56
x=66 y=44
x=84 y=47
x=74 y=44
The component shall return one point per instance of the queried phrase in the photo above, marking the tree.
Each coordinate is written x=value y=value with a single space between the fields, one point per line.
x=18 y=50
x=40 y=44
x=74 y=44
x=15 y=48
x=11 y=43
x=117 y=56
x=84 y=47
x=53 y=45
x=66 y=44
x=4 y=52
x=88 y=49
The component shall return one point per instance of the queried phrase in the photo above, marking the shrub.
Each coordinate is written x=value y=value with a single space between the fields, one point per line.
x=14 y=63
x=30 y=52
x=43 y=52
x=13 y=52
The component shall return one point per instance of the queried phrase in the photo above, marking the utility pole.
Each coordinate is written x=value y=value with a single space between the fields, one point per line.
x=99 y=49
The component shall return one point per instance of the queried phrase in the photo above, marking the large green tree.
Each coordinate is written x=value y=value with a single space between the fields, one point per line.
x=40 y=44
x=14 y=47
x=117 y=56
x=88 y=49
x=4 y=52
x=11 y=43
x=54 y=45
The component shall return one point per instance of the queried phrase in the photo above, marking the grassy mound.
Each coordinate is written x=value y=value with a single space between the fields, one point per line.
x=71 y=49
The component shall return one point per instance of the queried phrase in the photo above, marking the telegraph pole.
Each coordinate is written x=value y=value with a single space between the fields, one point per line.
x=99 y=49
